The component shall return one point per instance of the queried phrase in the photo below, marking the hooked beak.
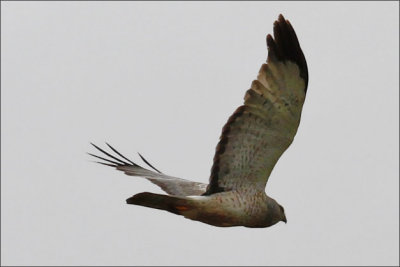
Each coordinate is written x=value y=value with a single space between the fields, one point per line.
x=284 y=219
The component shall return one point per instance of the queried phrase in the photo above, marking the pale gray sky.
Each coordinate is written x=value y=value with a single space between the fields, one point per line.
x=162 y=79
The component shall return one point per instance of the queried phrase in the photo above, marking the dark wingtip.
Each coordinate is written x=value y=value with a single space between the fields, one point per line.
x=106 y=164
x=138 y=199
x=131 y=200
x=285 y=46
x=145 y=161
x=120 y=162
x=119 y=154
x=115 y=162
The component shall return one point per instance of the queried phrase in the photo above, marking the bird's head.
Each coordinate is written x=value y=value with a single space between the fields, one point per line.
x=274 y=213
x=282 y=214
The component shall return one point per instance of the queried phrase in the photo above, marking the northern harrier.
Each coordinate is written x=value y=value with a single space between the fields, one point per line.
x=251 y=143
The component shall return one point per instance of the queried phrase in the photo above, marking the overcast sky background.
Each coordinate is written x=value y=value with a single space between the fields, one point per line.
x=162 y=79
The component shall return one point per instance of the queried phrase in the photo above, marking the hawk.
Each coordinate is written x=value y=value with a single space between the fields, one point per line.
x=252 y=141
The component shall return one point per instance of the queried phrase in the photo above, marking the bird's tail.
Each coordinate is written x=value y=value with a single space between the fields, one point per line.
x=174 y=204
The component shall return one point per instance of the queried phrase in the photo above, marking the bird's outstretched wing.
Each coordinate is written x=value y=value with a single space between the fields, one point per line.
x=259 y=131
x=171 y=185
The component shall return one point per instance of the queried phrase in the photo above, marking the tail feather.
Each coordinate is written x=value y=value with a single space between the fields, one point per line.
x=173 y=204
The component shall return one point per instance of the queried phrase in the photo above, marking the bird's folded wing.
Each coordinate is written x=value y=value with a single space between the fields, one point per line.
x=171 y=185
x=259 y=131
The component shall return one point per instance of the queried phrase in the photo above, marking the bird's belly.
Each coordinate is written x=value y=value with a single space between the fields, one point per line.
x=224 y=210
x=220 y=217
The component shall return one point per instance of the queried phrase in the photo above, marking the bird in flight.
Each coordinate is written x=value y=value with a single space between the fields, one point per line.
x=252 y=141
